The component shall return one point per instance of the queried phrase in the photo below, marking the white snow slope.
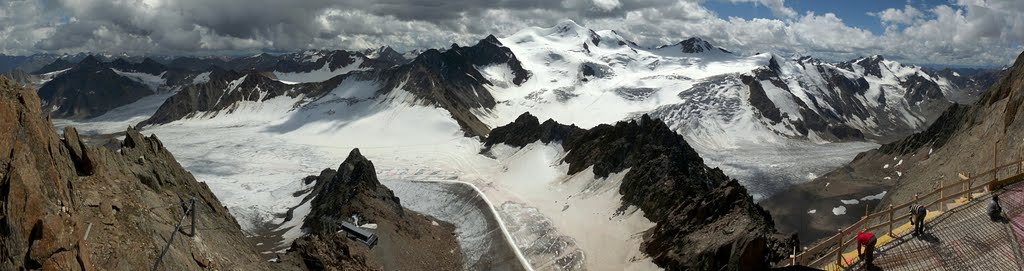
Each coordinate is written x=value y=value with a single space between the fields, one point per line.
x=254 y=156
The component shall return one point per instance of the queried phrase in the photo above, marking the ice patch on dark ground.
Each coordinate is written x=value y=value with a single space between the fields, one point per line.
x=768 y=169
x=483 y=244
x=539 y=240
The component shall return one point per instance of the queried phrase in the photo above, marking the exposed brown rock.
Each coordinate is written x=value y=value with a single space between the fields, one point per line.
x=53 y=189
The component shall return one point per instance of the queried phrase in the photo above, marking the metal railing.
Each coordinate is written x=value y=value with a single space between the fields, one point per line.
x=831 y=249
x=189 y=211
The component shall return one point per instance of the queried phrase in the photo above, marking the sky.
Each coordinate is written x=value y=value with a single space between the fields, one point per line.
x=953 y=32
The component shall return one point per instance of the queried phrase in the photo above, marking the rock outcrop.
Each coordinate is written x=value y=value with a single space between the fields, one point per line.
x=695 y=46
x=450 y=79
x=407 y=240
x=92 y=87
x=226 y=89
x=705 y=220
x=69 y=206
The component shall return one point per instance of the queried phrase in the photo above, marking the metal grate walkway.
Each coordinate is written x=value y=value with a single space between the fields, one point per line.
x=962 y=239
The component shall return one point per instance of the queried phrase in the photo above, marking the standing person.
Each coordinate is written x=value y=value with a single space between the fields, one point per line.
x=868 y=241
x=995 y=212
x=917 y=214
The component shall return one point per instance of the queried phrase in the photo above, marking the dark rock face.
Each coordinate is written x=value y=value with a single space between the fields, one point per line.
x=704 y=219
x=332 y=251
x=220 y=95
x=90 y=89
x=697 y=45
x=56 y=65
x=261 y=62
x=407 y=240
x=725 y=213
x=387 y=55
x=594 y=70
x=870 y=64
x=1008 y=87
x=448 y=79
x=8 y=63
x=451 y=81
x=333 y=60
x=662 y=165
x=920 y=89
x=353 y=189
x=973 y=82
x=935 y=136
x=30 y=63
x=829 y=125
x=54 y=189
x=760 y=101
x=527 y=129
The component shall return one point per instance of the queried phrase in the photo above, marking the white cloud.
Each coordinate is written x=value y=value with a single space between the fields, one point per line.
x=907 y=15
x=965 y=32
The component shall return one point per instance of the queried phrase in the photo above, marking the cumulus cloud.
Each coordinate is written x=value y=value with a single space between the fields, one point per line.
x=964 y=32
x=907 y=15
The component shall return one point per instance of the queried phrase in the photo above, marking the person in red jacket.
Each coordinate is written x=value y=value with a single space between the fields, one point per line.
x=868 y=241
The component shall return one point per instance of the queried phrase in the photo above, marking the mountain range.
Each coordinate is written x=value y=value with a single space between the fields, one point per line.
x=628 y=135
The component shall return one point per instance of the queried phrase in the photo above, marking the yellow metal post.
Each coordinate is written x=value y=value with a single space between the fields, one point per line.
x=890 y=220
x=970 y=183
x=839 y=250
x=995 y=160
x=941 y=196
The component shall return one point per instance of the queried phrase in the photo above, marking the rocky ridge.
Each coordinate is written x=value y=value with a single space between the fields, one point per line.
x=70 y=206
x=407 y=240
x=705 y=220
x=448 y=79
x=226 y=89
x=92 y=87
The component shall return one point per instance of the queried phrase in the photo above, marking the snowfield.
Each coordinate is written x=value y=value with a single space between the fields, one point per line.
x=254 y=163
x=254 y=154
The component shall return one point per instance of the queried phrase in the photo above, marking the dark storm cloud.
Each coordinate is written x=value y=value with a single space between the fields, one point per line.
x=936 y=34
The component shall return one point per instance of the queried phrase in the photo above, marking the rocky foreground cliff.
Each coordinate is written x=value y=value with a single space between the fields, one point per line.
x=705 y=220
x=68 y=206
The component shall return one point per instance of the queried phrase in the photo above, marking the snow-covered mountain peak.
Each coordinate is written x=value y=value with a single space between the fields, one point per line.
x=566 y=32
x=694 y=45
x=569 y=27
x=612 y=39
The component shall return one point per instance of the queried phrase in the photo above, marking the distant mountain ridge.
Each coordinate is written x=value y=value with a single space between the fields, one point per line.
x=448 y=79
x=92 y=87
x=865 y=99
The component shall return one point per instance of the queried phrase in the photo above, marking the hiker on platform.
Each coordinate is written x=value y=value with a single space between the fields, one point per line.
x=995 y=211
x=917 y=214
x=866 y=240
